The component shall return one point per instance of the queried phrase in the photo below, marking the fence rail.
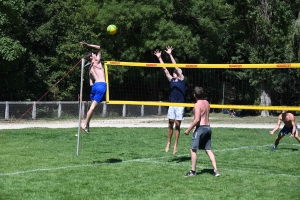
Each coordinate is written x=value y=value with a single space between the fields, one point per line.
x=63 y=109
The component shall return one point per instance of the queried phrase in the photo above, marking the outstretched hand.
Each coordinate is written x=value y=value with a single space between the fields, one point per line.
x=157 y=52
x=169 y=49
x=271 y=132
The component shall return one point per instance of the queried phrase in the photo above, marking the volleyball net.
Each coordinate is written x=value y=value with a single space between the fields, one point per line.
x=235 y=86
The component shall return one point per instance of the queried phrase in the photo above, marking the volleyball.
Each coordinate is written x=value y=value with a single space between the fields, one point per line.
x=111 y=29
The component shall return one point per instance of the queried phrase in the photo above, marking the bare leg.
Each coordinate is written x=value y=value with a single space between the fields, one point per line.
x=193 y=159
x=89 y=116
x=212 y=159
x=177 y=134
x=170 y=133
x=278 y=138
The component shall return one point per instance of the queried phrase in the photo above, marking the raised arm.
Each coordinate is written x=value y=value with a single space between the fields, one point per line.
x=169 y=50
x=90 y=45
x=158 y=55
x=98 y=55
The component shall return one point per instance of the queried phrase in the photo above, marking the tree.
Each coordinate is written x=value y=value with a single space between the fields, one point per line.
x=263 y=27
x=11 y=50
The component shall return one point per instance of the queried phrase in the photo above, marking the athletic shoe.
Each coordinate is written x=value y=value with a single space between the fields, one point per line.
x=85 y=128
x=217 y=173
x=273 y=148
x=190 y=173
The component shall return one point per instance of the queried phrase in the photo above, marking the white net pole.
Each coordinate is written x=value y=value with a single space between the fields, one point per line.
x=80 y=106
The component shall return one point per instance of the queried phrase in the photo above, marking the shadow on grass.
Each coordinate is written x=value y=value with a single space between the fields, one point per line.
x=205 y=171
x=108 y=161
x=292 y=149
x=180 y=159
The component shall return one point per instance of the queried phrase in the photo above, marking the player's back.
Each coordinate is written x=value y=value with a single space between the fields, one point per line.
x=204 y=112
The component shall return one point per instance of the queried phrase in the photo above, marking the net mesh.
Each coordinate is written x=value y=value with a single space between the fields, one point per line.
x=225 y=85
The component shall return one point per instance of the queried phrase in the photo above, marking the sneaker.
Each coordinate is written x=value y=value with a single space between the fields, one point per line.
x=190 y=173
x=217 y=173
x=85 y=129
x=273 y=148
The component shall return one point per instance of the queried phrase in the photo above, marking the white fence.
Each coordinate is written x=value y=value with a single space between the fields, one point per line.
x=63 y=109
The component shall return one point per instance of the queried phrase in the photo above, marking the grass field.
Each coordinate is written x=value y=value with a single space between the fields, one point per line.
x=130 y=163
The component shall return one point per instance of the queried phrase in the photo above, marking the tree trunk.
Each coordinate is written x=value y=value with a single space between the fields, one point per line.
x=265 y=100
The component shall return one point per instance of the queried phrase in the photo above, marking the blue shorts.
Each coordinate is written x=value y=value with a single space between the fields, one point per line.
x=98 y=91
x=286 y=130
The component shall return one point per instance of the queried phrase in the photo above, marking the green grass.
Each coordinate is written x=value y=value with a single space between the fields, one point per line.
x=130 y=163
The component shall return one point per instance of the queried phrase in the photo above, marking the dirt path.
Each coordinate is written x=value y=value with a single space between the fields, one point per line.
x=119 y=123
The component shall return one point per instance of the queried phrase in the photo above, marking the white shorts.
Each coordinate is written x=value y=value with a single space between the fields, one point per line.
x=175 y=113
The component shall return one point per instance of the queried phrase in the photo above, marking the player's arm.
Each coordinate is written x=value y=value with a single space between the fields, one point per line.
x=157 y=52
x=91 y=80
x=166 y=71
x=197 y=110
x=169 y=50
x=91 y=76
x=277 y=125
x=294 y=126
x=296 y=135
x=90 y=45
x=98 y=57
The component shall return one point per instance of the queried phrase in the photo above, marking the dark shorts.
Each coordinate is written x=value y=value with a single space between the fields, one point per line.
x=98 y=91
x=286 y=130
x=201 y=138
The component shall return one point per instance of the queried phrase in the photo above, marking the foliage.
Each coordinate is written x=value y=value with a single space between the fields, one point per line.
x=11 y=49
x=46 y=44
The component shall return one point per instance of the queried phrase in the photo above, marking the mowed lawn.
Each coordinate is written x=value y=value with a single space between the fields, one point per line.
x=130 y=163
